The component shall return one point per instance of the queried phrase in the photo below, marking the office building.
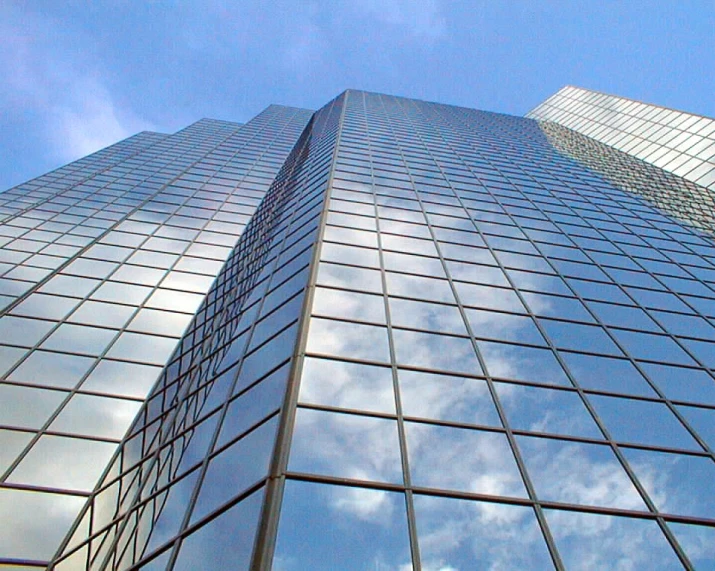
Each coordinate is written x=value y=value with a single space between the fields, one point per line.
x=677 y=142
x=437 y=338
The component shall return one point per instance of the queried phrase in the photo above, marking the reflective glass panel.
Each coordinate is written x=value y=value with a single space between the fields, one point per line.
x=595 y=541
x=546 y=410
x=347 y=385
x=126 y=379
x=346 y=445
x=52 y=369
x=26 y=407
x=326 y=527
x=224 y=542
x=698 y=542
x=236 y=468
x=29 y=537
x=60 y=462
x=578 y=473
x=423 y=315
x=677 y=483
x=607 y=374
x=361 y=279
x=79 y=339
x=344 y=339
x=12 y=442
x=680 y=383
x=96 y=416
x=349 y=305
x=462 y=459
x=466 y=534
x=442 y=397
x=643 y=422
x=432 y=351
x=23 y=332
x=102 y=314
x=150 y=349
x=522 y=363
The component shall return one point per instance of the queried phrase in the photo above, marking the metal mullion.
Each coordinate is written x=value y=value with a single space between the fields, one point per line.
x=69 y=393
x=641 y=490
x=152 y=459
x=76 y=183
x=284 y=229
x=22 y=563
x=556 y=559
x=415 y=368
x=134 y=210
x=269 y=520
x=613 y=338
x=531 y=491
x=45 y=489
x=73 y=391
x=348 y=482
x=406 y=475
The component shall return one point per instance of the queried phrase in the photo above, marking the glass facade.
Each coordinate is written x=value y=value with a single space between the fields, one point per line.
x=445 y=339
x=677 y=142
x=103 y=265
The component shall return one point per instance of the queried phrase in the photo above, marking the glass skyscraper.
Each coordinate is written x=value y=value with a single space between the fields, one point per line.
x=677 y=142
x=389 y=334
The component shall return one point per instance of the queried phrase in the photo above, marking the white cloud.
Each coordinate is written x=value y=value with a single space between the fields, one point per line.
x=89 y=120
x=422 y=19
x=45 y=75
x=596 y=541
x=367 y=505
x=29 y=536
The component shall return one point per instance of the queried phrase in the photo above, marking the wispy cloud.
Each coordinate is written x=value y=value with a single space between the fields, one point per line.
x=89 y=119
x=422 y=19
x=65 y=87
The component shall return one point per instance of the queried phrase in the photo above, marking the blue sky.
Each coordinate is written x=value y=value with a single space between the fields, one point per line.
x=78 y=76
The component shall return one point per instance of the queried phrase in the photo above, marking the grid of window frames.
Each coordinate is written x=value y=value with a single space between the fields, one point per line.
x=502 y=358
x=30 y=194
x=104 y=263
x=674 y=195
x=509 y=360
x=192 y=470
x=677 y=142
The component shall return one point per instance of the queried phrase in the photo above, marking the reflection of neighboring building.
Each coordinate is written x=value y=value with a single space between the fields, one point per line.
x=445 y=339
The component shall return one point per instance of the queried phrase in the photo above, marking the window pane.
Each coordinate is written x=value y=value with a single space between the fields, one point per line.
x=326 y=527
